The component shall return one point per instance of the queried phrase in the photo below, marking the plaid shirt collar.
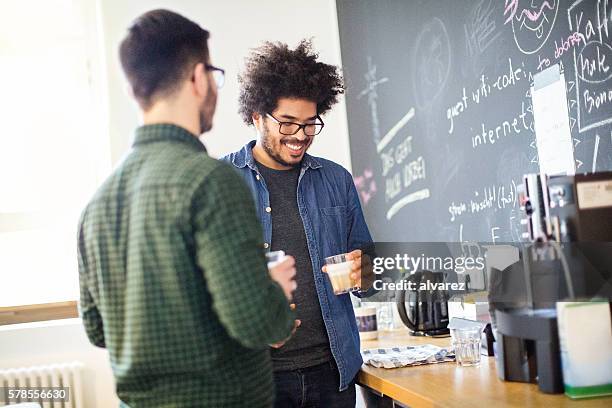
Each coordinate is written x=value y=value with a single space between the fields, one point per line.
x=166 y=132
x=244 y=157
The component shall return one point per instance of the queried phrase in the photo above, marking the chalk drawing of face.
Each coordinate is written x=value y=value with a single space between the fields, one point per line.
x=532 y=23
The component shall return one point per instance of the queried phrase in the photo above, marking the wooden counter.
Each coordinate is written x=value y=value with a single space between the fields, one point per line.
x=447 y=385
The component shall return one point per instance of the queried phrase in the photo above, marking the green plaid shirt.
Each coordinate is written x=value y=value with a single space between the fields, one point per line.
x=174 y=282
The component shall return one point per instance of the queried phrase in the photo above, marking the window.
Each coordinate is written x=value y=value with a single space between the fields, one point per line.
x=54 y=146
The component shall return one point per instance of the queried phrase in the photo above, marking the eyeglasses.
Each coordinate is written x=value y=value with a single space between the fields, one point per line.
x=218 y=74
x=291 y=128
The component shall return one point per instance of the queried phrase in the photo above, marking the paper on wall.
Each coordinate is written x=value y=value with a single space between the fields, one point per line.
x=551 y=120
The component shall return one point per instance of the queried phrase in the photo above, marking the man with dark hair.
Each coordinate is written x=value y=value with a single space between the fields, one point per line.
x=171 y=262
x=309 y=208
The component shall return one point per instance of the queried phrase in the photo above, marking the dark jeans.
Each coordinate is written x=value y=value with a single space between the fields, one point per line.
x=312 y=387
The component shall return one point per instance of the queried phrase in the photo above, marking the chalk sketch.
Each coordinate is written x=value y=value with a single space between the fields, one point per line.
x=407 y=199
x=440 y=111
x=432 y=62
x=366 y=185
x=532 y=22
x=480 y=30
x=592 y=63
x=372 y=93
x=394 y=130
x=595 y=151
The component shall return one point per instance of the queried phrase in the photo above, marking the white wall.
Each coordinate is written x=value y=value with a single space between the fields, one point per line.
x=61 y=341
x=236 y=26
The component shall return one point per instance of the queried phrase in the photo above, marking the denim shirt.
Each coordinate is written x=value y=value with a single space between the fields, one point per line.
x=334 y=224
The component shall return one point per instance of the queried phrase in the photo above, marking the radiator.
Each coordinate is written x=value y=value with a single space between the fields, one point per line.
x=53 y=375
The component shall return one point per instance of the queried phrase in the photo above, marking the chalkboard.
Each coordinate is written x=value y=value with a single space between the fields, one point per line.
x=439 y=107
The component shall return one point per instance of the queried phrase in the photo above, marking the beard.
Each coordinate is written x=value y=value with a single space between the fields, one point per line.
x=268 y=145
x=207 y=111
x=205 y=124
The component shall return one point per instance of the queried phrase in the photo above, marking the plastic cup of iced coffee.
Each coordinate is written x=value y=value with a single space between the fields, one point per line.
x=339 y=271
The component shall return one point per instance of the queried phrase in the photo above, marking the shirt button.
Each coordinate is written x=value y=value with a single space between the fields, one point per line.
x=268 y=209
x=266 y=245
x=257 y=176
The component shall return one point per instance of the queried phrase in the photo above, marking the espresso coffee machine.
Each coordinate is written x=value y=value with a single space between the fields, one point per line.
x=567 y=256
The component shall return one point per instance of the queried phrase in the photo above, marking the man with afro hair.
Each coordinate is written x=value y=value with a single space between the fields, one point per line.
x=310 y=209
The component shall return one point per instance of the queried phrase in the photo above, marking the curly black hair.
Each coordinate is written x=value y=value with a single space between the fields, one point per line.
x=274 y=71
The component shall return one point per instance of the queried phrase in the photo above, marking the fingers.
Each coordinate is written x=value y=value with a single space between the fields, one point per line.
x=284 y=271
x=296 y=323
x=287 y=265
x=287 y=262
x=354 y=254
x=292 y=306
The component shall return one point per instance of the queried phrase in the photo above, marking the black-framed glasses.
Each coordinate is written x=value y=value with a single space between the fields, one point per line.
x=291 y=128
x=217 y=73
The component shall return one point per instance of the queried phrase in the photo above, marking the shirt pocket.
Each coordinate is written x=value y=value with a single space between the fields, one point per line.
x=335 y=228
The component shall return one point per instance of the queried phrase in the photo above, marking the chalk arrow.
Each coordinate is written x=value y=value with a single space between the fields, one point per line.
x=576 y=142
x=532 y=145
x=529 y=109
x=534 y=159
x=572 y=103
x=570 y=85
x=578 y=164
x=572 y=123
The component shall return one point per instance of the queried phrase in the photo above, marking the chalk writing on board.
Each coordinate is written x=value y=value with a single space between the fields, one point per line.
x=494 y=236
x=566 y=43
x=372 y=93
x=492 y=197
x=595 y=151
x=403 y=178
x=433 y=62
x=532 y=22
x=470 y=135
x=560 y=48
x=534 y=158
x=513 y=126
x=401 y=169
x=486 y=87
x=592 y=62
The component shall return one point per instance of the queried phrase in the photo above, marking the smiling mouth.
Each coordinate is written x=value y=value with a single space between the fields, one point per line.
x=295 y=148
x=533 y=16
x=539 y=30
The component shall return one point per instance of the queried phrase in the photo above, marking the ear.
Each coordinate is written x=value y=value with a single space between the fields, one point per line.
x=257 y=119
x=199 y=77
